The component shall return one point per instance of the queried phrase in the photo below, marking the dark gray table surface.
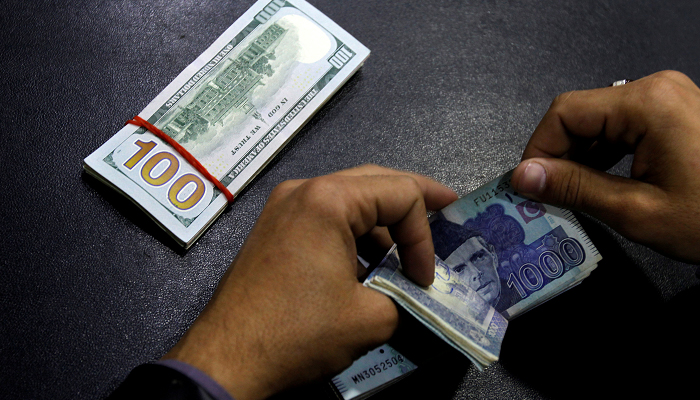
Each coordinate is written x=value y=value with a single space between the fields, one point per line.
x=452 y=89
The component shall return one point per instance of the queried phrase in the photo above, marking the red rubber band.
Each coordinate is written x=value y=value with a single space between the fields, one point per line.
x=184 y=153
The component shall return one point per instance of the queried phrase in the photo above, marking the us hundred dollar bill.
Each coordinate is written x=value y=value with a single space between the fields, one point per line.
x=497 y=255
x=233 y=109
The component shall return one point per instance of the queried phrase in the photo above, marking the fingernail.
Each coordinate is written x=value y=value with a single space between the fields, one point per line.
x=534 y=179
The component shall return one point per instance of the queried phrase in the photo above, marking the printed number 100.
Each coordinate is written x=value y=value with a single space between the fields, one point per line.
x=160 y=178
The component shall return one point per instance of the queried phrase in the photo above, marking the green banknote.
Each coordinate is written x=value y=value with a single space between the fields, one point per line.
x=233 y=109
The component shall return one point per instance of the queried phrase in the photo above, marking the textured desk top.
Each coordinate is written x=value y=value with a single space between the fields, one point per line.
x=452 y=89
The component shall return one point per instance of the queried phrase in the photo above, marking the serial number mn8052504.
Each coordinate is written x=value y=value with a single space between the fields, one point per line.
x=378 y=368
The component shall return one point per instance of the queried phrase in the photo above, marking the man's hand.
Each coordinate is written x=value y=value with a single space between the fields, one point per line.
x=658 y=119
x=290 y=308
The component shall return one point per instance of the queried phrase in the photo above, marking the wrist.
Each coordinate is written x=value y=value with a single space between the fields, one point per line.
x=199 y=378
x=204 y=348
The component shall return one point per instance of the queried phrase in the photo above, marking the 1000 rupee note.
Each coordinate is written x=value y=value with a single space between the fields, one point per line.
x=233 y=109
x=510 y=252
x=516 y=253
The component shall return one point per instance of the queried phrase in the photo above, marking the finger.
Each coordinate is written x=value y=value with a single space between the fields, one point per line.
x=614 y=200
x=397 y=202
x=602 y=155
x=380 y=237
x=576 y=119
x=620 y=116
x=376 y=316
x=436 y=195
x=678 y=77
x=282 y=190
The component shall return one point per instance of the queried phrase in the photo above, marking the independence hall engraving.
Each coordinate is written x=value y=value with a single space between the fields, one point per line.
x=229 y=91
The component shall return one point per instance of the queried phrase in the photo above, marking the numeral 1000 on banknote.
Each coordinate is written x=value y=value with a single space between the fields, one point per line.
x=551 y=265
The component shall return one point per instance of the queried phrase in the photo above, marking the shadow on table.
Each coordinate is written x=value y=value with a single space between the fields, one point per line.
x=613 y=335
x=132 y=213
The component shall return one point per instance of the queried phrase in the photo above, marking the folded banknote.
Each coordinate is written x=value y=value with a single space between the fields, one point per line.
x=233 y=109
x=497 y=255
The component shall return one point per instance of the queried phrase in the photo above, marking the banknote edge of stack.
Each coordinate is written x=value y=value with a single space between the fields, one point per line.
x=479 y=362
x=481 y=359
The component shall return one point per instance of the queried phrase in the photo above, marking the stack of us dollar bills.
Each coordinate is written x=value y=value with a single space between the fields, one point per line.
x=233 y=109
x=497 y=255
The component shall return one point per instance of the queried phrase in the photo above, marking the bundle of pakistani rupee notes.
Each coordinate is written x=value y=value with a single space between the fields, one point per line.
x=233 y=109
x=497 y=255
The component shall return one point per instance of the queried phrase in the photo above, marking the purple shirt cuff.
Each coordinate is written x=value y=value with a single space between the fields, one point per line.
x=203 y=380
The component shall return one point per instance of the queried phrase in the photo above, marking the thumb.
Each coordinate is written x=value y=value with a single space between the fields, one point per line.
x=617 y=201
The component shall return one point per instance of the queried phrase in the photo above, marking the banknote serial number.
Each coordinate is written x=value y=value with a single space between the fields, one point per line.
x=483 y=197
x=378 y=368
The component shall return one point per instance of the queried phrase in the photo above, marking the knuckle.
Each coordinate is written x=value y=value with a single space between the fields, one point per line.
x=371 y=169
x=410 y=183
x=661 y=95
x=663 y=88
x=325 y=195
x=386 y=331
x=411 y=189
x=560 y=100
x=282 y=189
x=386 y=326
x=635 y=212
x=672 y=75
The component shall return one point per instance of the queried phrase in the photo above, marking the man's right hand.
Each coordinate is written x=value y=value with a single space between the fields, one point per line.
x=657 y=118
x=290 y=308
